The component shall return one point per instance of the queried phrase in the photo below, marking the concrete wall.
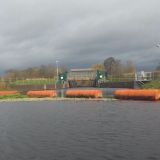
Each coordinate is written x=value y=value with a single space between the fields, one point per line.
x=117 y=85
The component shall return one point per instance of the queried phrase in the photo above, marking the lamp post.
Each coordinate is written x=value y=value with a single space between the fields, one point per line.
x=158 y=46
x=57 y=73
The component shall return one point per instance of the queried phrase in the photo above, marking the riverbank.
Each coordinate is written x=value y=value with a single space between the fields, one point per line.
x=56 y=99
x=152 y=85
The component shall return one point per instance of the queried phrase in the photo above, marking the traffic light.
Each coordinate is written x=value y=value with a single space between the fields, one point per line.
x=63 y=76
x=101 y=75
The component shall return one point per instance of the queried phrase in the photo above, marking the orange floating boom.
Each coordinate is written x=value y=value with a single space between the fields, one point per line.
x=41 y=94
x=5 y=93
x=84 y=93
x=138 y=94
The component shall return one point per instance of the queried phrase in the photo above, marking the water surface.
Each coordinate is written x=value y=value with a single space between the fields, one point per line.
x=127 y=130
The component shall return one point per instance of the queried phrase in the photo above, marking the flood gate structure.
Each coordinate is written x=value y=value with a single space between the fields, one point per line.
x=84 y=77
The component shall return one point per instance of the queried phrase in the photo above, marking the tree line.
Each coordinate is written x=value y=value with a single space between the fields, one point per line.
x=111 y=65
x=43 y=71
x=116 y=67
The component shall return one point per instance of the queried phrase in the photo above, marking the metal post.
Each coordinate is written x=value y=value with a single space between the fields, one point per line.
x=57 y=74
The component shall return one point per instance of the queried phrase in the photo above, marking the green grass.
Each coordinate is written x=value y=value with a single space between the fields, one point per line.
x=33 y=82
x=13 y=96
x=152 y=85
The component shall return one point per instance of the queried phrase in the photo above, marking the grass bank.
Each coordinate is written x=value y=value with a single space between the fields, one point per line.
x=33 y=82
x=152 y=85
x=15 y=96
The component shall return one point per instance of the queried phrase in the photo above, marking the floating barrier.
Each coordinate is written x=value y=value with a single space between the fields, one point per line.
x=41 y=94
x=84 y=93
x=138 y=94
x=5 y=93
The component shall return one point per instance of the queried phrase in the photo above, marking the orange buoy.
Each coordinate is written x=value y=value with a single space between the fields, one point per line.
x=84 y=93
x=5 y=93
x=138 y=94
x=41 y=94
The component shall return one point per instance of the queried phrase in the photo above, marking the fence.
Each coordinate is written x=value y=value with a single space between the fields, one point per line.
x=139 y=76
x=147 y=76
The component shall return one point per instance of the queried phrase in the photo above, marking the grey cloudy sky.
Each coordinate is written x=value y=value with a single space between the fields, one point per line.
x=78 y=32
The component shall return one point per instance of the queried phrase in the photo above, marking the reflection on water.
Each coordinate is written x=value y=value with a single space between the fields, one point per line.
x=80 y=130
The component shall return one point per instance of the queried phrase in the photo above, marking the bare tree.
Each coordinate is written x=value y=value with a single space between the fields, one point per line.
x=129 y=67
x=43 y=71
x=113 y=66
x=99 y=67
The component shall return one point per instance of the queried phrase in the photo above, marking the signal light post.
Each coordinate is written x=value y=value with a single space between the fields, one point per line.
x=100 y=76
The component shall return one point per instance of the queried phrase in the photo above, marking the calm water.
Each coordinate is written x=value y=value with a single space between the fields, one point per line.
x=117 y=130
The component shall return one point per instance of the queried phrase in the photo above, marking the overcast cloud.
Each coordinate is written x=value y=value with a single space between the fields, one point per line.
x=78 y=32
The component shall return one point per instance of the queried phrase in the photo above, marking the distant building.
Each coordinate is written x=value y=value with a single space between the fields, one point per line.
x=82 y=74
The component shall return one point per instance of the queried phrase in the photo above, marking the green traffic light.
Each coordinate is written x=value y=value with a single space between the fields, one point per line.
x=63 y=76
x=100 y=76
